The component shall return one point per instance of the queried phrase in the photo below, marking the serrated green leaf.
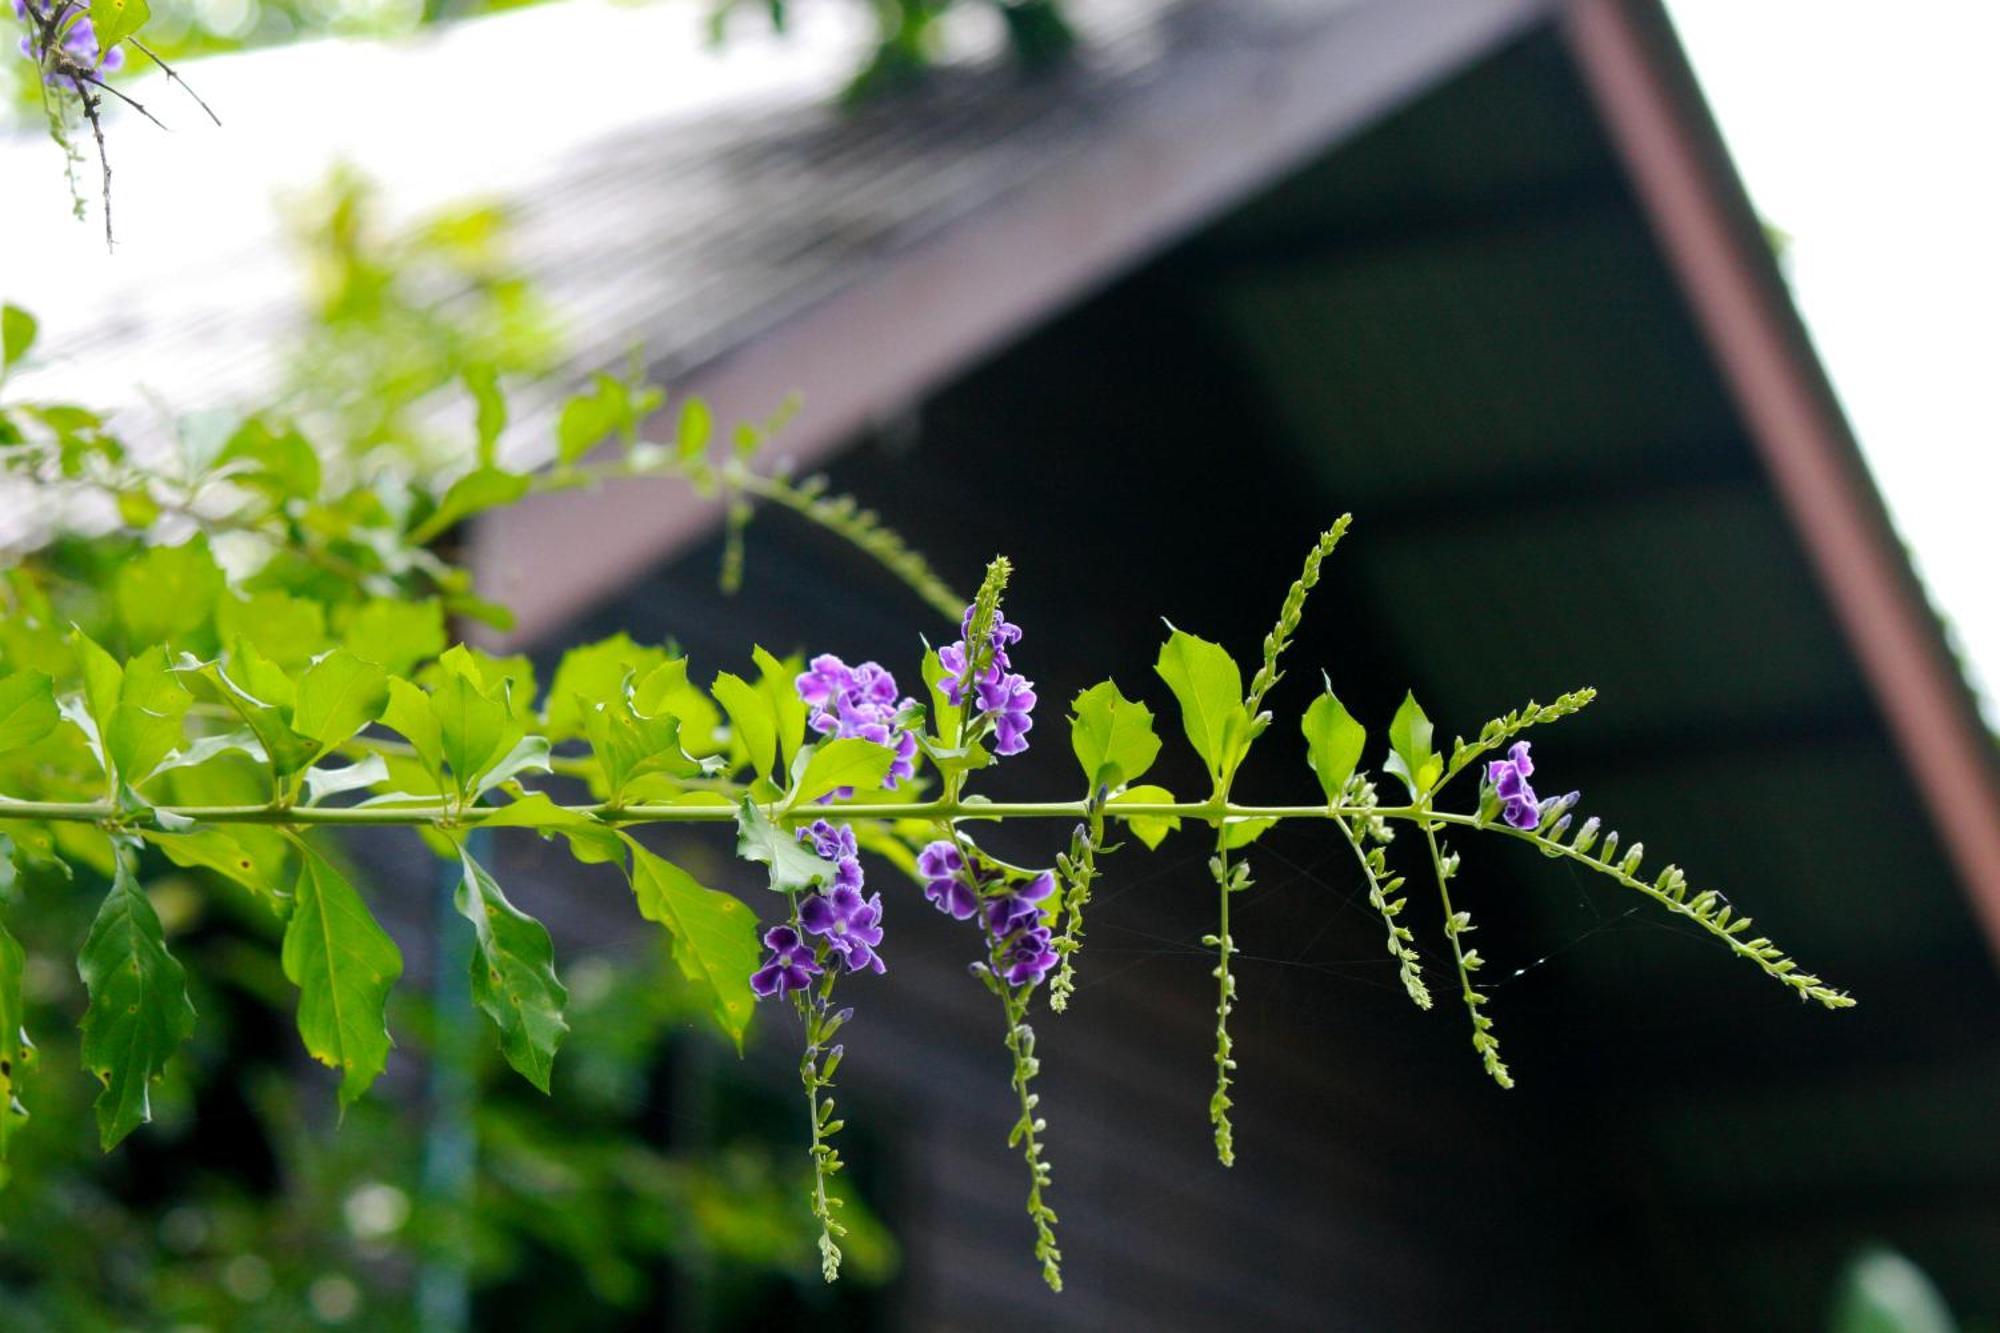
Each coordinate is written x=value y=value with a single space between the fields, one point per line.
x=794 y=866
x=28 y=710
x=477 y=491
x=344 y=965
x=273 y=459
x=1209 y=688
x=513 y=974
x=1411 y=757
x=593 y=674
x=1112 y=736
x=750 y=715
x=831 y=765
x=17 y=335
x=1149 y=829
x=338 y=696
x=264 y=706
x=16 y=1051
x=1334 y=742
x=714 y=936
x=631 y=744
x=139 y=1010
x=476 y=730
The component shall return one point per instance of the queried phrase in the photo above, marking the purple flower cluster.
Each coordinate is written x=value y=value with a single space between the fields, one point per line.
x=1509 y=780
x=1002 y=695
x=1012 y=920
x=844 y=924
x=859 y=701
x=79 y=43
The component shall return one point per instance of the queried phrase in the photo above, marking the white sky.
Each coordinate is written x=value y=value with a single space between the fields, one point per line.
x=1871 y=134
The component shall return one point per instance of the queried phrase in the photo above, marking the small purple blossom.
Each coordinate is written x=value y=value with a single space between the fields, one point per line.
x=942 y=867
x=835 y=843
x=858 y=701
x=790 y=967
x=850 y=925
x=79 y=44
x=1002 y=695
x=1509 y=780
x=1027 y=957
x=1022 y=907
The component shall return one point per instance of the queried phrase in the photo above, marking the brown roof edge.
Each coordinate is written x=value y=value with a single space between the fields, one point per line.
x=1229 y=120
x=1660 y=127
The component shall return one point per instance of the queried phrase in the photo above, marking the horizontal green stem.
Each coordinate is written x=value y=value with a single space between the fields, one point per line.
x=97 y=812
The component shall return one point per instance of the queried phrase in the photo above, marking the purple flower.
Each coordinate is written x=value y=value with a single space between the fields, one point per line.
x=942 y=867
x=1509 y=780
x=1022 y=907
x=1003 y=696
x=1027 y=957
x=835 y=843
x=790 y=967
x=858 y=701
x=850 y=925
x=79 y=43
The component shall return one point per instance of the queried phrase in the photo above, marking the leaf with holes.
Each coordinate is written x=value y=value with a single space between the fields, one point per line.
x=139 y=1010
x=513 y=974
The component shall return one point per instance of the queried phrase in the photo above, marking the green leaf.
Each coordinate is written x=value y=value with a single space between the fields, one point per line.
x=1209 y=688
x=167 y=594
x=344 y=965
x=1149 y=829
x=1242 y=832
x=1411 y=757
x=476 y=730
x=1334 y=742
x=115 y=20
x=778 y=682
x=267 y=713
x=489 y=411
x=28 y=712
x=338 y=696
x=146 y=726
x=477 y=491
x=714 y=936
x=794 y=866
x=590 y=417
x=750 y=715
x=139 y=1008
x=1112 y=736
x=288 y=630
x=591 y=841
x=16 y=1051
x=214 y=849
x=273 y=459
x=395 y=635
x=513 y=974
x=17 y=335
x=696 y=425
x=593 y=674
x=631 y=744
x=831 y=765
x=408 y=714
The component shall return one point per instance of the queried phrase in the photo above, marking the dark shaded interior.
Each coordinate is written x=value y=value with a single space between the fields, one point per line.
x=1459 y=328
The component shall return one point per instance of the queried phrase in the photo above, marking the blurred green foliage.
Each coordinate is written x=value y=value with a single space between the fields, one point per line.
x=661 y=1179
